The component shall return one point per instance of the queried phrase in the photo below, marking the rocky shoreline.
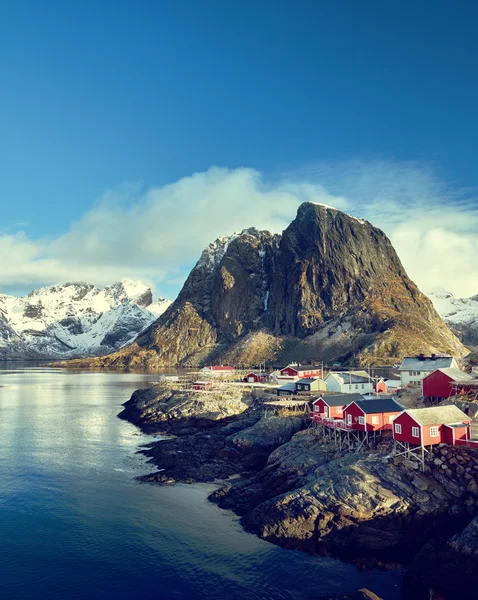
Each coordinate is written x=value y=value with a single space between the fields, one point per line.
x=295 y=489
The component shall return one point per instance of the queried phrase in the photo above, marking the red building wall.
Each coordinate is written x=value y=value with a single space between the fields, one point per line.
x=291 y=372
x=406 y=435
x=383 y=419
x=256 y=378
x=437 y=385
x=320 y=407
x=288 y=372
x=355 y=412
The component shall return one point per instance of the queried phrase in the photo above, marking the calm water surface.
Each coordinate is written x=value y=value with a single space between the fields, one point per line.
x=74 y=523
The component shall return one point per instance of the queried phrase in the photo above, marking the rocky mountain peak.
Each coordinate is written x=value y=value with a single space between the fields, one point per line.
x=331 y=287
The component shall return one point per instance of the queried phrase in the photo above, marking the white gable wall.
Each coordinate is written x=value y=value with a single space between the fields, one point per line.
x=415 y=377
x=337 y=384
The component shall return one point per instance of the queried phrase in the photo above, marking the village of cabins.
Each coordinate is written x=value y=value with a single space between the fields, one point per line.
x=352 y=407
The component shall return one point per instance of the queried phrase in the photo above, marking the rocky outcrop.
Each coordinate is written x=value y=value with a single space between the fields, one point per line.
x=164 y=407
x=216 y=434
x=330 y=286
x=310 y=496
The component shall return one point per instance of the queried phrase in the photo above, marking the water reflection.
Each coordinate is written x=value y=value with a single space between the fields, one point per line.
x=75 y=524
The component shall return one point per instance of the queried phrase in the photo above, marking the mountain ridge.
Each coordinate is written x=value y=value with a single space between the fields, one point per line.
x=75 y=319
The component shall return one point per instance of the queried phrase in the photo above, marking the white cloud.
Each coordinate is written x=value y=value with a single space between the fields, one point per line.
x=155 y=235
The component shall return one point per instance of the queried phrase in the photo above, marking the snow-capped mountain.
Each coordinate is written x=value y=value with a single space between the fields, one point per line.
x=461 y=314
x=75 y=319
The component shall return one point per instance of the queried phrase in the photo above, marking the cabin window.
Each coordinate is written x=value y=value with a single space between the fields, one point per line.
x=398 y=428
x=390 y=418
x=434 y=431
x=339 y=410
x=349 y=419
x=415 y=432
x=375 y=420
x=356 y=386
x=363 y=387
x=361 y=420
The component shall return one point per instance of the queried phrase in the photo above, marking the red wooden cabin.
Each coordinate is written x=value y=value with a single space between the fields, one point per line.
x=372 y=415
x=256 y=377
x=431 y=426
x=332 y=406
x=438 y=384
x=296 y=371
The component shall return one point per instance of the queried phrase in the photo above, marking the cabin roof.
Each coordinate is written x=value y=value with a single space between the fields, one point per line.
x=351 y=377
x=287 y=387
x=380 y=405
x=455 y=374
x=300 y=368
x=308 y=380
x=437 y=415
x=414 y=363
x=340 y=399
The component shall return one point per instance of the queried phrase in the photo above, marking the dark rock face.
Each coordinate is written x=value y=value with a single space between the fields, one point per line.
x=216 y=435
x=330 y=286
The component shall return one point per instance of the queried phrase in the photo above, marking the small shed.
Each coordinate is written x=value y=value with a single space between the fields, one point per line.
x=332 y=406
x=380 y=386
x=202 y=385
x=256 y=377
x=372 y=415
x=431 y=426
x=286 y=390
x=438 y=384
x=310 y=384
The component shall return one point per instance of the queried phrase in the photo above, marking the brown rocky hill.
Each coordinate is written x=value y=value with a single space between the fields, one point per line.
x=331 y=287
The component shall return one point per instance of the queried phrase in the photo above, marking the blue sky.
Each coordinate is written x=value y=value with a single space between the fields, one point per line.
x=102 y=104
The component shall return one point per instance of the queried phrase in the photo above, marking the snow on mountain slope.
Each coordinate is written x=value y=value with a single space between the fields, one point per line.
x=459 y=313
x=75 y=319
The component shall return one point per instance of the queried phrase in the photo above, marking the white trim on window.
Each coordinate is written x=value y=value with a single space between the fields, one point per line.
x=415 y=432
x=434 y=432
x=398 y=428
x=361 y=420
x=349 y=419
x=375 y=420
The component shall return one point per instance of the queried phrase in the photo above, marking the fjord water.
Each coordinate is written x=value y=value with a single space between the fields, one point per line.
x=75 y=524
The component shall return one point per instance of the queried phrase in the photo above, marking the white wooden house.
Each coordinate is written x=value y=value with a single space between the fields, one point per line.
x=414 y=368
x=349 y=382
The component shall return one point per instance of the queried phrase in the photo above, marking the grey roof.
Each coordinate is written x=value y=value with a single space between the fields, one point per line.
x=438 y=415
x=456 y=374
x=381 y=405
x=340 y=399
x=350 y=377
x=427 y=364
x=299 y=368
x=287 y=387
x=308 y=380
